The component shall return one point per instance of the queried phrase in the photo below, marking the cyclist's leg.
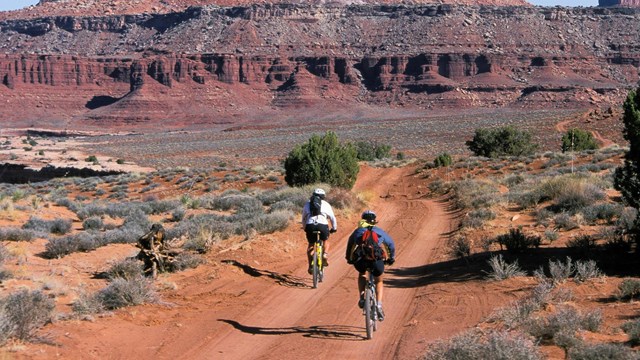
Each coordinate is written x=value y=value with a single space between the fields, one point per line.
x=311 y=238
x=361 y=266
x=378 y=272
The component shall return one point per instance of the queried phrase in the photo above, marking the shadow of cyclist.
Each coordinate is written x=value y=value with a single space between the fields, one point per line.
x=328 y=332
x=281 y=279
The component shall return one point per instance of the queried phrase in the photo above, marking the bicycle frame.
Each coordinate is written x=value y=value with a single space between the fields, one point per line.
x=318 y=271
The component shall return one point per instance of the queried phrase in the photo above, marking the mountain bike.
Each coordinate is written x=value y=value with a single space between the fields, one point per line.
x=370 y=309
x=318 y=266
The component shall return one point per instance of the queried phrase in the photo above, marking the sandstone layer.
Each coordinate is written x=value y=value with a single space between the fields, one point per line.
x=212 y=64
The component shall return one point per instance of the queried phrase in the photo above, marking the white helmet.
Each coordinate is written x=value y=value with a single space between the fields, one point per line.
x=319 y=192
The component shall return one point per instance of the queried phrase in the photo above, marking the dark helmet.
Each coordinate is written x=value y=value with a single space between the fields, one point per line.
x=157 y=227
x=369 y=216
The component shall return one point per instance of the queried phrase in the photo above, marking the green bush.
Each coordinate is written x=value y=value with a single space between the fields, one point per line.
x=502 y=141
x=322 y=159
x=578 y=140
x=443 y=160
x=371 y=150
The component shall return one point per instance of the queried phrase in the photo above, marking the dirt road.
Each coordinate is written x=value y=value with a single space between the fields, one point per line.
x=245 y=306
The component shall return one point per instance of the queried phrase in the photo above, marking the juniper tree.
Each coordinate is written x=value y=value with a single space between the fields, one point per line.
x=322 y=159
x=578 y=140
x=627 y=177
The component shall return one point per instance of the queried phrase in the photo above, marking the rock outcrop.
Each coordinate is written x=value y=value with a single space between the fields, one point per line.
x=212 y=64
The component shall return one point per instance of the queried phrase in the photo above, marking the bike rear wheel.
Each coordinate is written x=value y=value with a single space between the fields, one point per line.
x=369 y=313
x=317 y=261
x=316 y=271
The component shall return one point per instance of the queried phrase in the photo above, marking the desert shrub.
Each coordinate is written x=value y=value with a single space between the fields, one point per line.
x=626 y=221
x=517 y=242
x=543 y=217
x=4 y=253
x=632 y=328
x=605 y=211
x=476 y=218
x=524 y=199
x=551 y=234
x=578 y=140
x=474 y=194
x=202 y=240
x=23 y=312
x=343 y=199
x=520 y=311
x=443 y=160
x=503 y=141
x=561 y=271
x=501 y=270
x=59 y=247
x=185 y=260
x=127 y=292
x=298 y=196
x=459 y=246
x=87 y=304
x=238 y=202
x=565 y=221
x=125 y=269
x=283 y=205
x=585 y=270
x=583 y=245
x=513 y=180
x=93 y=223
x=272 y=222
x=178 y=214
x=440 y=187
x=322 y=159
x=497 y=345
x=601 y=351
x=16 y=234
x=371 y=150
x=561 y=326
x=56 y=226
x=576 y=196
x=629 y=289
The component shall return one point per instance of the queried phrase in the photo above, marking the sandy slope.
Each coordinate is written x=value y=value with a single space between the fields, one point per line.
x=249 y=304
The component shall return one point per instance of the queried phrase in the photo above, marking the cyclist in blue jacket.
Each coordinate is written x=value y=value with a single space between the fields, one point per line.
x=386 y=255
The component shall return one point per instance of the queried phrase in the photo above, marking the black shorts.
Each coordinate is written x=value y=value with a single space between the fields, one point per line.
x=377 y=267
x=310 y=228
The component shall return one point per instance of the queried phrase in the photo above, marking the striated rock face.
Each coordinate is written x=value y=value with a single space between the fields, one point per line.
x=214 y=64
x=624 y=3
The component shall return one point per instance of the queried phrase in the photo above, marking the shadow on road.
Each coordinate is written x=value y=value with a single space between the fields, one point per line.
x=328 y=332
x=281 y=279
